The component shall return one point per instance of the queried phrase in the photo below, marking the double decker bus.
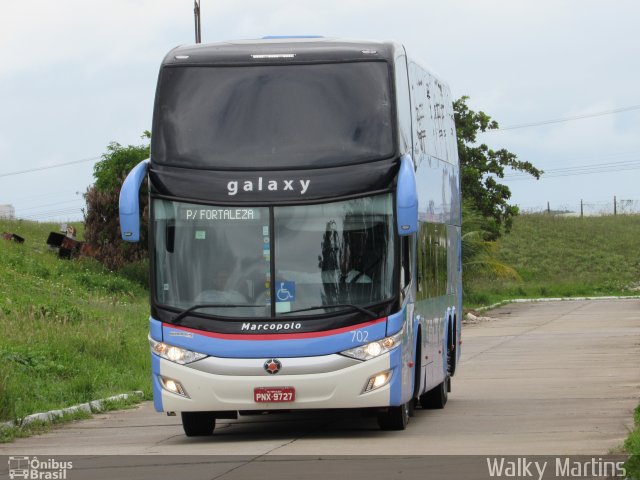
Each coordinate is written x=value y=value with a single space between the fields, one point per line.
x=304 y=231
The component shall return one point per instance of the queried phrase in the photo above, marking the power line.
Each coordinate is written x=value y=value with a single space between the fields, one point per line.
x=566 y=119
x=38 y=197
x=570 y=160
x=601 y=170
x=580 y=170
x=52 y=213
x=587 y=166
x=584 y=172
x=75 y=200
x=47 y=167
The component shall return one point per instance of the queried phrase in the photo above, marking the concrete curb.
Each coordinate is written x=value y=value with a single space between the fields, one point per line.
x=558 y=299
x=94 y=406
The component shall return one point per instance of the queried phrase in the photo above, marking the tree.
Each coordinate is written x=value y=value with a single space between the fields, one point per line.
x=102 y=223
x=480 y=168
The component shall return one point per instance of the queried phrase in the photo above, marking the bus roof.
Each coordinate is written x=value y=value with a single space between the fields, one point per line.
x=286 y=50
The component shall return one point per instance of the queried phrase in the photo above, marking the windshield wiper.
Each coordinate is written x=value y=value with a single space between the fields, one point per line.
x=341 y=305
x=193 y=308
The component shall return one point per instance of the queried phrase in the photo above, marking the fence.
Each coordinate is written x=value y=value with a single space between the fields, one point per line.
x=617 y=206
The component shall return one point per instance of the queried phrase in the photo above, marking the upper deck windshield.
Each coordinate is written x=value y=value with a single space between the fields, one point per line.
x=273 y=116
x=321 y=255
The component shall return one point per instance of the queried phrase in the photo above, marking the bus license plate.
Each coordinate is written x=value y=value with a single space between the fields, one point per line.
x=274 y=394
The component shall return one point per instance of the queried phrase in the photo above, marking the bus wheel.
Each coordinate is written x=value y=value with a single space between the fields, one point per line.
x=436 y=397
x=198 y=424
x=395 y=418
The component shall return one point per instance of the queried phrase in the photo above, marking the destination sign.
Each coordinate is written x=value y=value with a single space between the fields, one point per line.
x=216 y=214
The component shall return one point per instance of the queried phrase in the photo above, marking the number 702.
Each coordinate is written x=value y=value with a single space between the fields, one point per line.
x=359 y=336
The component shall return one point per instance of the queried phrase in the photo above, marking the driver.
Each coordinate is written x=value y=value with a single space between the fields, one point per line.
x=222 y=290
x=353 y=261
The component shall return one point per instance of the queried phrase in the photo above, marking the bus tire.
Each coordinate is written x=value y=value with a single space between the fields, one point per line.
x=395 y=418
x=437 y=397
x=198 y=424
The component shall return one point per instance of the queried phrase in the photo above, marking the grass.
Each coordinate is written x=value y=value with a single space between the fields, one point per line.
x=70 y=331
x=632 y=446
x=565 y=257
x=8 y=434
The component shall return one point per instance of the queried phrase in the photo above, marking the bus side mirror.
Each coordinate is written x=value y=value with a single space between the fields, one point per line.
x=406 y=198
x=129 y=203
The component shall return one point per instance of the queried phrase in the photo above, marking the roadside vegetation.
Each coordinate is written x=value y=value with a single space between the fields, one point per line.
x=632 y=446
x=71 y=331
x=556 y=256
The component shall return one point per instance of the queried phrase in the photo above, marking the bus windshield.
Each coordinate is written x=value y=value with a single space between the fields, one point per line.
x=333 y=254
x=273 y=116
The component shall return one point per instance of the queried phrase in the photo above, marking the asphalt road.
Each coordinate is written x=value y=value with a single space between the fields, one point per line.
x=553 y=378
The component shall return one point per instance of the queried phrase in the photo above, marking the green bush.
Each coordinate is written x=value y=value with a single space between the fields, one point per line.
x=102 y=223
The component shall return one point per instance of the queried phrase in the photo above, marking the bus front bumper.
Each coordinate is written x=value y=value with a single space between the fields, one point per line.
x=341 y=388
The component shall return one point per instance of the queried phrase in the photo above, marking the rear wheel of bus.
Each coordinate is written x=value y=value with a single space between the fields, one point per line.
x=436 y=397
x=395 y=418
x=198 y=424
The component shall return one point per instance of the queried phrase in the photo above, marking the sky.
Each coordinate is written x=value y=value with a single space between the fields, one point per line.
x=77 y=75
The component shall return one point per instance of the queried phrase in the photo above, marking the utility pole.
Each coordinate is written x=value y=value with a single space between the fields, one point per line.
x=581 y=209
x=196 y=14
x=548 y=209
x=615 y=206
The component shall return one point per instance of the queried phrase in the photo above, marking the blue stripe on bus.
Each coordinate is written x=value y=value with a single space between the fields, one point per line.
x=395 y=322
x=395 y=397
x=157 y=389
x=301 y=347
x=155 y=329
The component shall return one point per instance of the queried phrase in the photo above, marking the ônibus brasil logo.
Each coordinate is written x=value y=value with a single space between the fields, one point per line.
x=33 y=468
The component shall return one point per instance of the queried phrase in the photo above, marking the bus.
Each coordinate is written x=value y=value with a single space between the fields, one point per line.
x=304 y=231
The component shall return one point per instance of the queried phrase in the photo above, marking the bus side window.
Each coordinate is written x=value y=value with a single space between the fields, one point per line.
x=421 y=253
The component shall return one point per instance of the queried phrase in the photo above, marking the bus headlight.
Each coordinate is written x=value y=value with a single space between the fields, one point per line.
x=377 y=381
x=173 y=353
x=173 y=386
x=374 y=349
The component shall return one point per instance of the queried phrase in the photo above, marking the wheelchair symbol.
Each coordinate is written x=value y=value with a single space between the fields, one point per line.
x=284 y=294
